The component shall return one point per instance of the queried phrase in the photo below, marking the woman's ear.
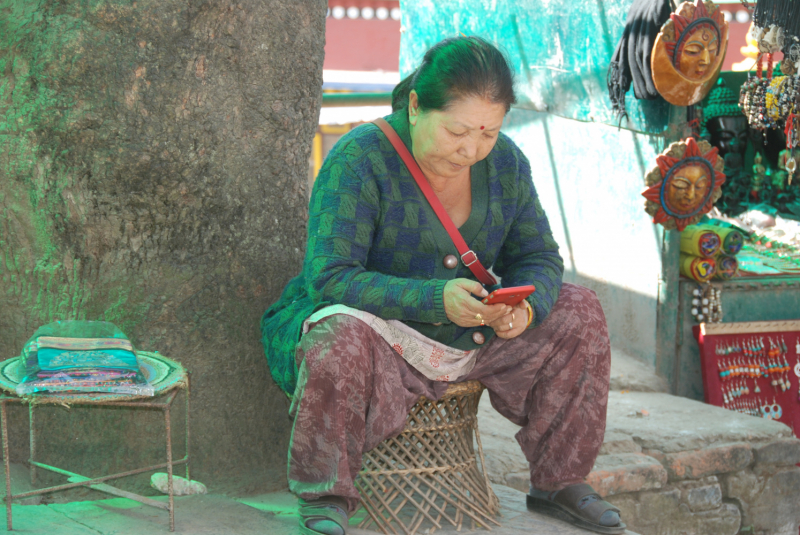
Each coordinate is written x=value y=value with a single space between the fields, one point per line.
x=413 y=108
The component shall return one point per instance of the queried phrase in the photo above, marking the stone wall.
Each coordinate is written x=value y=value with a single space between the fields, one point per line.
x=678 y=466
x=718 y=490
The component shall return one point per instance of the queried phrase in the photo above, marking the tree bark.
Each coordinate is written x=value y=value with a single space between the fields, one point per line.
x=153 y=173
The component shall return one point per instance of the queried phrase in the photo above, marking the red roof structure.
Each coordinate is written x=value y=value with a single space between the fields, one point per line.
x=362 y=35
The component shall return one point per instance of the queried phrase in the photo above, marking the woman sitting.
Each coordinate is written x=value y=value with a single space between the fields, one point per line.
x=385 y=309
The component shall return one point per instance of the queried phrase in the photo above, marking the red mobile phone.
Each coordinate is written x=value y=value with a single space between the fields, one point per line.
x=509 y=296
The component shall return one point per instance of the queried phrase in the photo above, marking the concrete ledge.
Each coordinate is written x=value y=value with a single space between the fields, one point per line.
x=619 y=443
x=674 y=424
x=781 y=452
x=708 y=461
x=626 y=472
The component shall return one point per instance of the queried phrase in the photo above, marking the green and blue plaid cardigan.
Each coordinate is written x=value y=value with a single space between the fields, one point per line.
x=375 y=244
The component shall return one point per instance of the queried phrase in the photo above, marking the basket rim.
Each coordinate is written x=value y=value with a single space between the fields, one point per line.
x=458 y=389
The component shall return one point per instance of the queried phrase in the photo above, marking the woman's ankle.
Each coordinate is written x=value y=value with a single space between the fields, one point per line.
x=553 y=487
x=328 y=499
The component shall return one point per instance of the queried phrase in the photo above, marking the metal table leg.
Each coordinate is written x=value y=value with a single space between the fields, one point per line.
x=32 y=433
x=187 y=398
x=6 y=461
x=167 y=423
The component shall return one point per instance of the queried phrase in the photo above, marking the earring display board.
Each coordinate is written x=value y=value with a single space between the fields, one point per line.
x=753 y=368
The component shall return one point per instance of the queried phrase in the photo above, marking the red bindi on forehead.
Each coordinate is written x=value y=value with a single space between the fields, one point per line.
x=482 y=127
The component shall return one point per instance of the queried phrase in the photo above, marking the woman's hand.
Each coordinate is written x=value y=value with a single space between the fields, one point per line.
x=463 y=309
x=512 y=324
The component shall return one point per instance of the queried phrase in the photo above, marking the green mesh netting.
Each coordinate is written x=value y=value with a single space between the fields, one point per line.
x=560 y=52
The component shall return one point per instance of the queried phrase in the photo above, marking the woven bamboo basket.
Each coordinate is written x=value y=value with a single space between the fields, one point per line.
x=429 y=474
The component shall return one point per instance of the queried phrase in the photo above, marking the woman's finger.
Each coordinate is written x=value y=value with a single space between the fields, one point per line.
x=487 y=315
x=517 y=328
x=506 y=321
x=461 y=306
x=512 y=324
x=473 y=287
x=466 y=311
x=492 y=313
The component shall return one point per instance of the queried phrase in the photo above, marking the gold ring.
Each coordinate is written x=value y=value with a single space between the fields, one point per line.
x=478 y=317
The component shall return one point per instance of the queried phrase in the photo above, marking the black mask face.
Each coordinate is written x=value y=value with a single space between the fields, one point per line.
x=728 y=134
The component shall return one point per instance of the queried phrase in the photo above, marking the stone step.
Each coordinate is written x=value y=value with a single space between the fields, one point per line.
x=673 y=424
x=650 y=438
x=678 y=464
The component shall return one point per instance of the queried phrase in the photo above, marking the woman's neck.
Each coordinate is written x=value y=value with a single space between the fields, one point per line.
x=455 y=194
x=441 y=184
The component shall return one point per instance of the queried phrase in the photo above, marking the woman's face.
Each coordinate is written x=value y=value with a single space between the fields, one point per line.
x=447 y=142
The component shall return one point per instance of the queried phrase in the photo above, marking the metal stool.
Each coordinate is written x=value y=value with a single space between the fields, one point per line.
x=430 y=470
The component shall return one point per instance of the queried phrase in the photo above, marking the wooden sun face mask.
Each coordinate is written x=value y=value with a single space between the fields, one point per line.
x=688 y=53
x=685 y=183
x=688 y=187
x=696 y=50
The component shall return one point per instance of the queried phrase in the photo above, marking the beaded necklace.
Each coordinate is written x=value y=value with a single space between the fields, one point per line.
x=771 y=102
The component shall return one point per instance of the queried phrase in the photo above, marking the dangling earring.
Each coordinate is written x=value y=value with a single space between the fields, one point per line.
x=766 y=411
x=797 y=373
x=777 y=411
x=786 y=369
x=798 y=391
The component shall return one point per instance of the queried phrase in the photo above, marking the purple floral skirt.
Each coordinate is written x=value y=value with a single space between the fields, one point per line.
x=354 y=390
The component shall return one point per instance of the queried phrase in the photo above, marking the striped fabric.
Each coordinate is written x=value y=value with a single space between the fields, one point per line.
x=58 y=352
x=375 y=244
x=54 y=342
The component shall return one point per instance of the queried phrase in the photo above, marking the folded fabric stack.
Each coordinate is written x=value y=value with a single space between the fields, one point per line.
x=73 y=363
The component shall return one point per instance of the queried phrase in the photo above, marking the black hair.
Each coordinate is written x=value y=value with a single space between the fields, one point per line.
x=455 y=68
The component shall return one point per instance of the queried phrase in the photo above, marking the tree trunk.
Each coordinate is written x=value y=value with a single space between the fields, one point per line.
x=153 y=173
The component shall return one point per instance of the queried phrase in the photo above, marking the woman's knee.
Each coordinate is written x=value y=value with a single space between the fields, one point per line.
x=580 y=308
x=338 y=345
x=581 y=299
x=579 y=294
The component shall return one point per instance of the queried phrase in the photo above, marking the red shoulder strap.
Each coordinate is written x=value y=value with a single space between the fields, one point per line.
x=469 y=258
